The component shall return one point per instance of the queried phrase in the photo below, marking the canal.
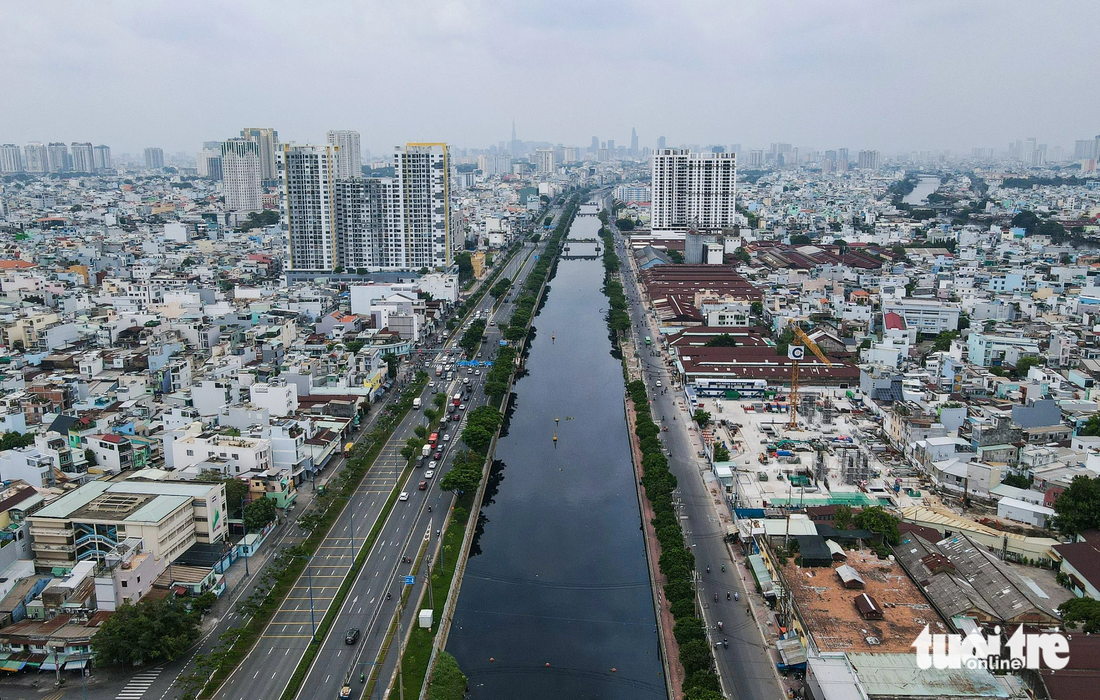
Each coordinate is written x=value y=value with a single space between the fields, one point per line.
x=926 y=185
x=557 y=589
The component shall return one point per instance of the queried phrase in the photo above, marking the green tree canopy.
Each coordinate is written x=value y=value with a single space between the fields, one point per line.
x=1082 y=611
x=724 y=340
x=801 y=239
x=701 y=417
x=477 y=438
x=501 y=287
x=259 y=513
x=876 y=519
x=150 y=631
x=10 y=440
x=1078 y=507
x=721 y=454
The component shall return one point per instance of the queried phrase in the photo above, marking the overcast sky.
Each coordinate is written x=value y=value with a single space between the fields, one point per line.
x=896 y=76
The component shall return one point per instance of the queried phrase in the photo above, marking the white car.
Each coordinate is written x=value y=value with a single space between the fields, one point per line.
x=432 y=465
x=404 y=496
x=447 y=438
x=477 y=372
x=429 y=474
x=658 y=385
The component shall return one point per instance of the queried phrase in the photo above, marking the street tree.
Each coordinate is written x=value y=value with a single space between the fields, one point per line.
x=1077 y=509
x=259 y=513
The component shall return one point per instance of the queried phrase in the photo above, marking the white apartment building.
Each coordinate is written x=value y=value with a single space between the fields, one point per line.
x=36 y=158
x=11 y=159
x=28 y=464
x=241 y=175
x=267 y=143
x=544 y=160
x=279 y=398
x=243 y=454
x=349 y=156
x=83 y=157
x=693 y=190
x=925 y=315
x=307 y=176
x=422 y=172
x=994 y=350
x=101 y=158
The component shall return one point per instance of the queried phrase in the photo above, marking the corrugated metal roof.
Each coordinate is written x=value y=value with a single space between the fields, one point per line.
x=897 y=675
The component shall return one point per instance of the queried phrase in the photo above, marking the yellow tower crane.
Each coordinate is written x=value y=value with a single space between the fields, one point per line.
x=796 y=353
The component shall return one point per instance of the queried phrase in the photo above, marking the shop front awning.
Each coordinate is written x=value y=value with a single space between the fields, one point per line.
x=12 y=665
x=76 y=665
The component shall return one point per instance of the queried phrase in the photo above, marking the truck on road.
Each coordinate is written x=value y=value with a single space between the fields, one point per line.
x=417 y=403
x=425 y=450
x=438 y=370
x=348 y=448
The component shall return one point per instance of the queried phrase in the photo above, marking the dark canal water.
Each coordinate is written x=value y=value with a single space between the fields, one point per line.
x=558 y=575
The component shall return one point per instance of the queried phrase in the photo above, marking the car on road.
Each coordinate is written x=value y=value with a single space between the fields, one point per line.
x=658 y=384
x=455 y=416
x=404 y=496
x=462 y=407
x=432 y=465
x=351 y=636
x=429 y=474
x=469 y=370
x=447 y=438
x=423 y=485
x=477 y=372
x=438 y=455
x=479 y=354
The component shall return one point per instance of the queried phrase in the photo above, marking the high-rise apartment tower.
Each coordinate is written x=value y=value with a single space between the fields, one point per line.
x=349 y=157
x=240 y=171
x=693 y=190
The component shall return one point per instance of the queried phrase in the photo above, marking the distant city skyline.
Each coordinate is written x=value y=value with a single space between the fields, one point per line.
x=864 y=75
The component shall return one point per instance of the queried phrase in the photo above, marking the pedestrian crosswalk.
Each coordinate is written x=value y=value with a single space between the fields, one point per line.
x=139 y=684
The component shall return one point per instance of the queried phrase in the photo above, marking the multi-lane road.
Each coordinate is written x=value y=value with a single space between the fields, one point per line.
x=367 y=607
x=267 y=669
x=746 y=668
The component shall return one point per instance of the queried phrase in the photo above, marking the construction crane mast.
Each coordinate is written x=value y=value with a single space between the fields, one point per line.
x=796 y=353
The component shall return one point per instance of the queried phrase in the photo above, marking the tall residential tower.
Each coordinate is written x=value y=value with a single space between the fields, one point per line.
x=349 y=157
x=693 y=190
x=308 y=181
x=267 y=141
x=240 y=171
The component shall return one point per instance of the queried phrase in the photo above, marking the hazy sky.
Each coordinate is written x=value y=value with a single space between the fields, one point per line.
x=910 y=74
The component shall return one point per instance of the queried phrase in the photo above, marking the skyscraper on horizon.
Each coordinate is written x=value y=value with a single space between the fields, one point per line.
x=36 y=158
x=633 y=141
x=267 y=140
x=307 y=179
x=240 y=174
x=101 y=158
x=660 y=143
x=154 y=158
x=349 y=156
x=83 y=157
x=544 y=160
x=57 y=155
x=693 y=190
x=11 y=159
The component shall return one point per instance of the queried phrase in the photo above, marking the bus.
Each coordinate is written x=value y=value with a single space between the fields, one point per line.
x=648 y=341
x=433 y=439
